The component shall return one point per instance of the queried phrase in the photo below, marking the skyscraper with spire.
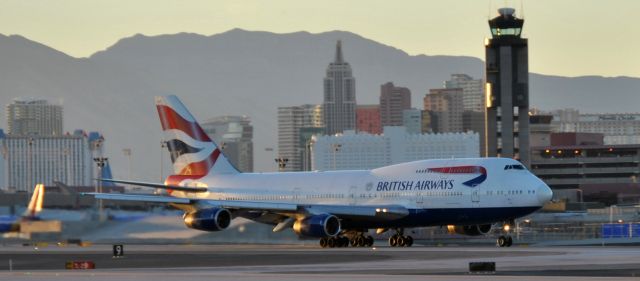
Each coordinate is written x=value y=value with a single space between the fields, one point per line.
x=339 y=106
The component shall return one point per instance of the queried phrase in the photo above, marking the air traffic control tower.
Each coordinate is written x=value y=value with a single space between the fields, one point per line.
x=507 y=89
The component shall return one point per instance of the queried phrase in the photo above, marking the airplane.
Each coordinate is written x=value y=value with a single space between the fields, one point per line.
x=338 y=207
x=11 y=224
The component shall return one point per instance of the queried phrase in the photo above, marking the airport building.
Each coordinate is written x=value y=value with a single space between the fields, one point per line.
x=597 y=172
x=368 y=119
x=365 y=151
x=393 y=101
x=234 y=135
x=296 y=124
x=507 y=88
x=46 y=159
x=621 y=128
x=33 y=117
x=339 y=104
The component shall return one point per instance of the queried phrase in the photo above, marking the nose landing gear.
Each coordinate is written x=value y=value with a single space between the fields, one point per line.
x=506 y=240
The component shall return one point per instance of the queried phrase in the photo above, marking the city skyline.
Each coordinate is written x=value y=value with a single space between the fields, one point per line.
x=566 y=35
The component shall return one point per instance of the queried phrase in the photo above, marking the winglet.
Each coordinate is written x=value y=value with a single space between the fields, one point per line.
x=35 y=205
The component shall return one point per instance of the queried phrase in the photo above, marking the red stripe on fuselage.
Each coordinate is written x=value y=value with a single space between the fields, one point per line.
x=460 y=170
x=172 y=120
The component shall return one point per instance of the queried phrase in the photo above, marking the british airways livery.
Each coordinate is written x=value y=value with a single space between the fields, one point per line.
x=12 y=224
x=338 y=207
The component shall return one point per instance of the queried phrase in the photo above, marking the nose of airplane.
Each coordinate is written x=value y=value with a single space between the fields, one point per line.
x=544 y=194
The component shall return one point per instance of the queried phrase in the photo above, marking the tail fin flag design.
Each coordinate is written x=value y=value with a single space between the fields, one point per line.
x=193 y=153
x=35 y=205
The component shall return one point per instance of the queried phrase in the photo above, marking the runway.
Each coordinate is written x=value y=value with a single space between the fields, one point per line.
x=288 y=262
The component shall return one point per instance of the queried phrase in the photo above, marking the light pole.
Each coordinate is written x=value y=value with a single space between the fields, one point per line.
x=30 y=168
x=611 y=213
x=100 y=161
x=127 y=152
x=335 y=148
x=282 y=163
x=163 y=145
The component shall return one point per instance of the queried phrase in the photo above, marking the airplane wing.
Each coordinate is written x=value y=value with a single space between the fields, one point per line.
x=158 y=185
x=140 y=198
x=344 y=211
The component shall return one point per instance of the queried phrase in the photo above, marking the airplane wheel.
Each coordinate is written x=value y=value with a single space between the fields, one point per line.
x=393 y=241
x=323 y=242
x=345 y=241
x=502 y=241
x=408 y=241
x=354 y=242
x=361 y=241
x=509 y=241
x=369 y=241
x=331 y=242
x=402 y=241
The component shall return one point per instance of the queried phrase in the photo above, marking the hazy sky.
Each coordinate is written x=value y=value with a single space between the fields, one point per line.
x=567 y=37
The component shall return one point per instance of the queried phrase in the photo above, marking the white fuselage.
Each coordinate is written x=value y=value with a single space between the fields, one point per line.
x=413 y=185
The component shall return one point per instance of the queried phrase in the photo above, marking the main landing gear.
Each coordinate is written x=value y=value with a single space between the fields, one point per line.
x=399 y=240
x=357 y=240
x=505 y=240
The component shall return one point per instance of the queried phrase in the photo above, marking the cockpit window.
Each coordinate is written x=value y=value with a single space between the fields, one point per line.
x=514 y=167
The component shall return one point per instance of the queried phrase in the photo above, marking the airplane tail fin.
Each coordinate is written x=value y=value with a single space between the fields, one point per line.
x=193 y=153
x=35 y=205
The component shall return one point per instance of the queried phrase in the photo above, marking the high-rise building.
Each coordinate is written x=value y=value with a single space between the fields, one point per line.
x=446 y=104
x=393 y=100
x=234 y=134
x=412 y=120
x=368 y=119
x=294 y=126
x=472 y=91
x=34 y=117
x=44 y=159
x=350 y=151
x=507 y=88
x=339 y=106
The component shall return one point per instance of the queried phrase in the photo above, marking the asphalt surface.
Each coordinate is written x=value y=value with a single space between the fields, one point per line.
x=259 y=262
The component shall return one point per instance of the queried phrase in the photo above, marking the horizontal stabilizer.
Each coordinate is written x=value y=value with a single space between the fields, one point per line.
x=158 y=185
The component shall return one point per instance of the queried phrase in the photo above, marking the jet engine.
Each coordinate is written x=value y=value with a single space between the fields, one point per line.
x=322 y=225
x=471 y=230
x=214 y=219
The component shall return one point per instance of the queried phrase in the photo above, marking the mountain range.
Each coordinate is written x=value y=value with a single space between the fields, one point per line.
x=241 y=72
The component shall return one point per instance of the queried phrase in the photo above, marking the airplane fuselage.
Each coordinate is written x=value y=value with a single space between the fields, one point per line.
x=436 y=192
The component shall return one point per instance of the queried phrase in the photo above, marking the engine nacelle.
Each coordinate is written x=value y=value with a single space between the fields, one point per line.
x=471 y=230
x=214 y=219
x=318 y=226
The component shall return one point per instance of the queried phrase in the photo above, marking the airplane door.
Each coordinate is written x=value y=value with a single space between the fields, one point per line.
x=352 y=194
x=420 y=201
x=296 y=195
x=475 y=196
